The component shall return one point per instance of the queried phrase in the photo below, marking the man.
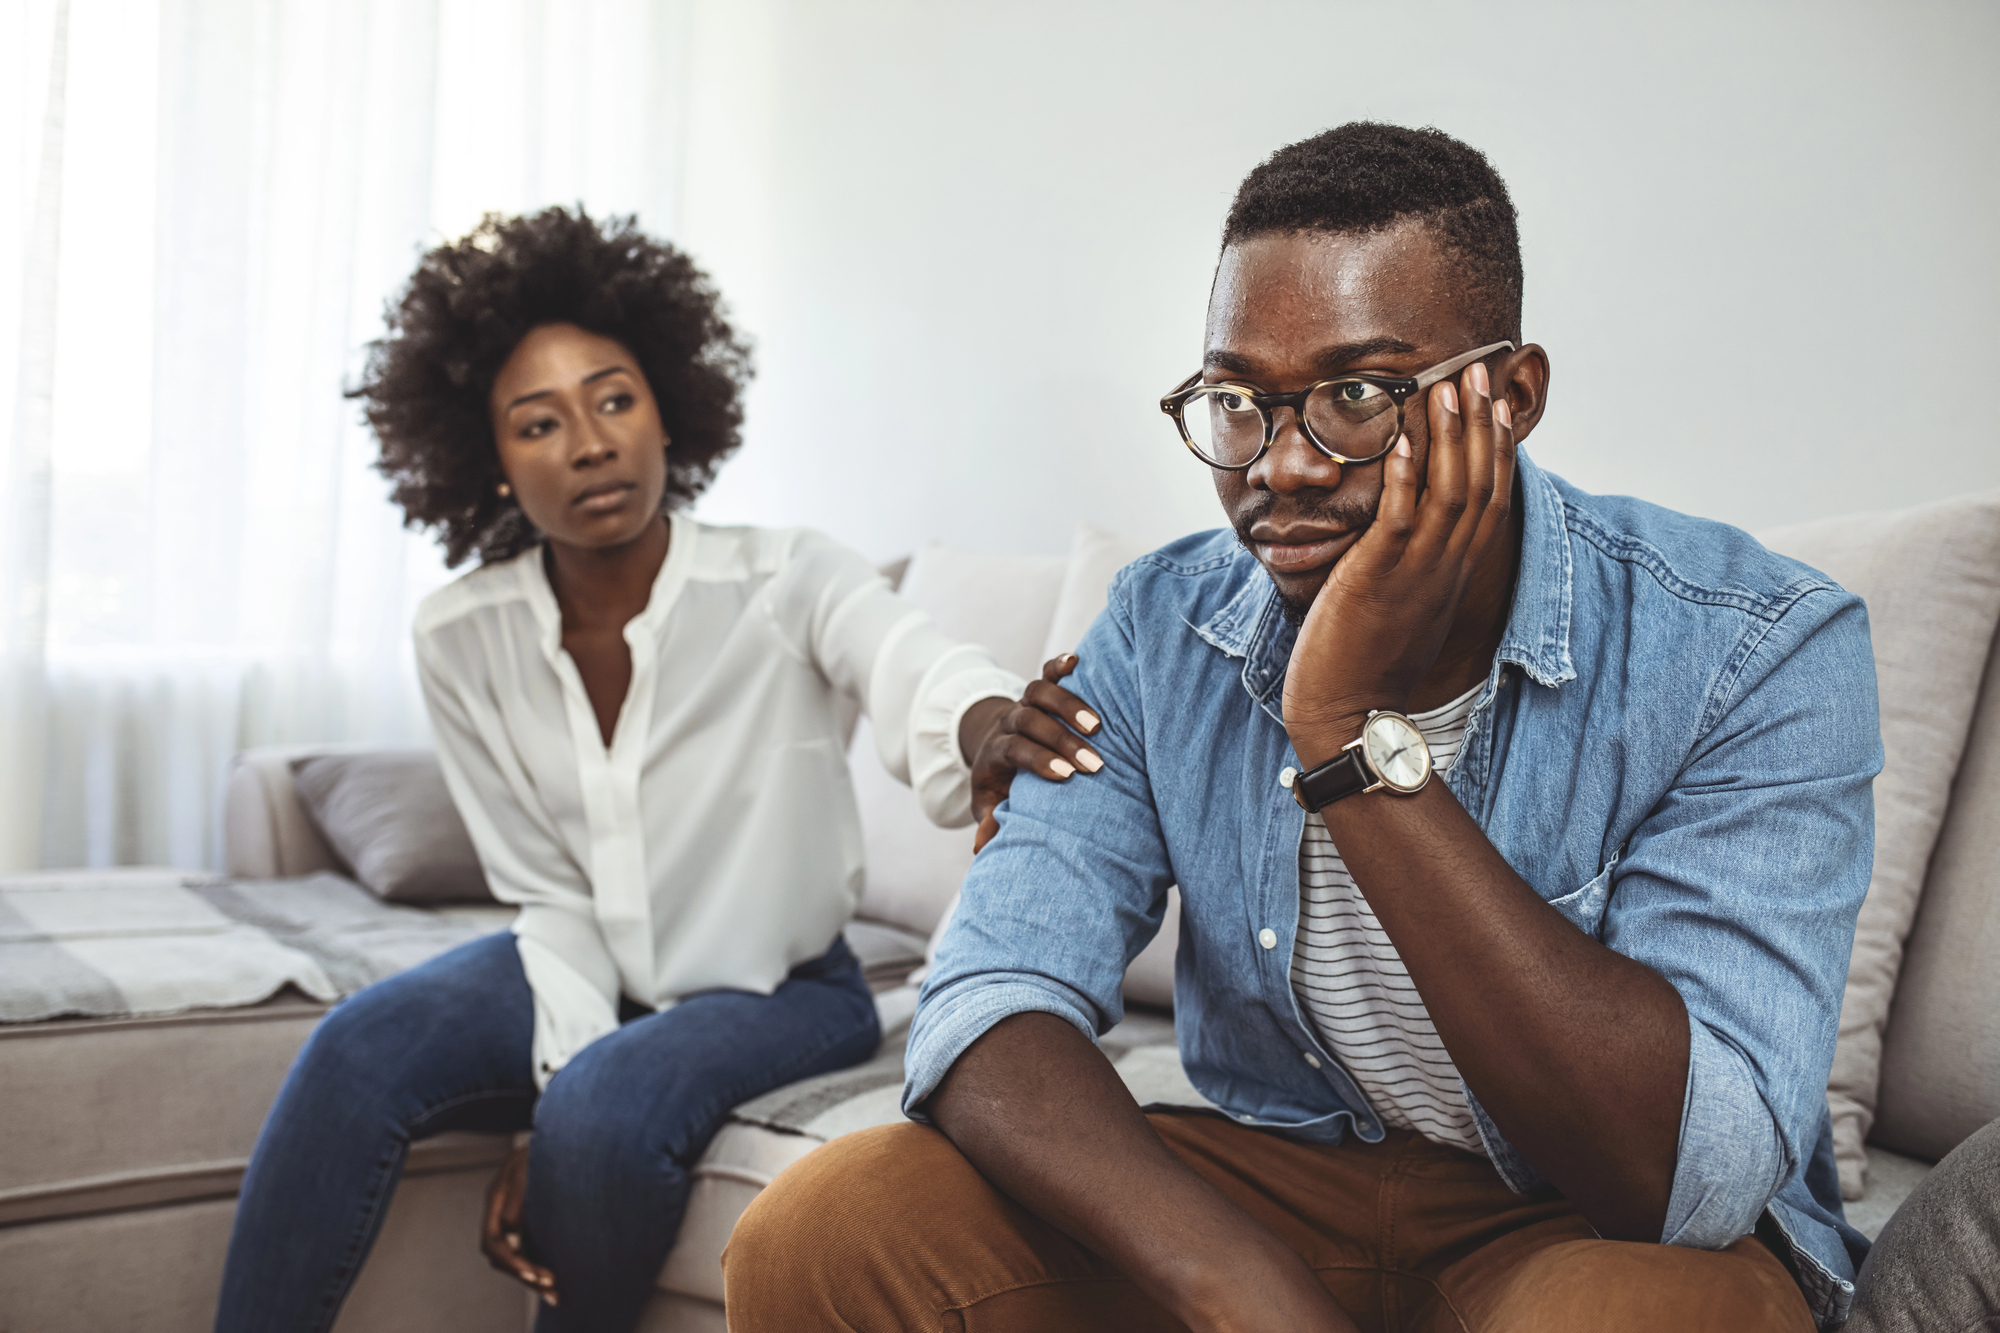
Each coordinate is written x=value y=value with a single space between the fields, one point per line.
x=1538 y=1044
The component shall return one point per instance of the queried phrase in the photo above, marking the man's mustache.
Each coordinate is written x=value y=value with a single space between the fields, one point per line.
x=1352 y=513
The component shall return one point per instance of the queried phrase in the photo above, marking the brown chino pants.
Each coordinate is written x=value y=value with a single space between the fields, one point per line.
x=891 y=1229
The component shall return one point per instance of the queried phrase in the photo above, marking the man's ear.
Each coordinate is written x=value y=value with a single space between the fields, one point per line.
x=1523 y=376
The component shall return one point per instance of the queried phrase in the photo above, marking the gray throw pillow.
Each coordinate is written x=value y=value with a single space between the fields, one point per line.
x=388 y=816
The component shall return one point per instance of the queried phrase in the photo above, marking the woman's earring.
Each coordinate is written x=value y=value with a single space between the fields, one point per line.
x=505 y=490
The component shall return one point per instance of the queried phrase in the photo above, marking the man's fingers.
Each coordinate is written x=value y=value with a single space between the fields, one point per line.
x=1058 y=666
x=989 y=824
x=1444 y=481
x=1500 y=498
x=1054 y=699
x=1396 y=515
x=1481 y=428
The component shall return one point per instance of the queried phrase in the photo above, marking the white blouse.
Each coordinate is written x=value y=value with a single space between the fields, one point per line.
x=716 y=842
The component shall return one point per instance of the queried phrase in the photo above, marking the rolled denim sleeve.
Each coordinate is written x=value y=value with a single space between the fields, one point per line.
x=1068 y=892
x=1741 y=889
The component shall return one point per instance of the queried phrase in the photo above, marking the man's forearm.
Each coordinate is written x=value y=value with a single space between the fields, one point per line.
x=1041 y=1113
x=1578 y=1053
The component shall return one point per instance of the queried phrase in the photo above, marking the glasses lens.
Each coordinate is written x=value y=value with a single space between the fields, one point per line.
x=1224 y=426
x=1353 y=418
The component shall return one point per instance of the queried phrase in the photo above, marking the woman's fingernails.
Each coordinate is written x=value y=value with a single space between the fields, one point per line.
x=1088 y=758
x=1503 y=414
x=1450 y=396
x=1402 y=446
x=1062 y=768
x=1086 y=720
x=1480 y=384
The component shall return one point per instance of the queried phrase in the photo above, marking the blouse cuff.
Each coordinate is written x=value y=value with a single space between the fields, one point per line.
x=938 y=771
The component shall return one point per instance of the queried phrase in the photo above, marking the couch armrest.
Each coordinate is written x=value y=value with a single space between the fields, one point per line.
x=266 y=833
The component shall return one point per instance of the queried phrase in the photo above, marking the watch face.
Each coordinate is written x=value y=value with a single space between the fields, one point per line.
x=1396 y=751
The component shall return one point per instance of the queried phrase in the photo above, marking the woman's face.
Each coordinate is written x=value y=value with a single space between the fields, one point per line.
x=579 y=437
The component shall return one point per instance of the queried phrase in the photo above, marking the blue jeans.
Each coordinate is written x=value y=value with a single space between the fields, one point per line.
x=445 y=1046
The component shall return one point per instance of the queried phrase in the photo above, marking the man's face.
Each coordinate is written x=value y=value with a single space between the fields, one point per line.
x=1290 y=310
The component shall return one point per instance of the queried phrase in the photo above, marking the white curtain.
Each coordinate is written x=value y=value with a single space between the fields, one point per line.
x=206 y=205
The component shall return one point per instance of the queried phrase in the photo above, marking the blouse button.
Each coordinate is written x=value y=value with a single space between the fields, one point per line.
x=1268 y=938
x=1311 y=1059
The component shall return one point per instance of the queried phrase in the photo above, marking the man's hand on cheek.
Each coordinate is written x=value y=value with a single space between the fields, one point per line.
x=1377 y=626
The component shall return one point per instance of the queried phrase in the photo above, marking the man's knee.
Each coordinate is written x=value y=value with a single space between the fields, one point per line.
x=845 y=1223
x=1592 y=1284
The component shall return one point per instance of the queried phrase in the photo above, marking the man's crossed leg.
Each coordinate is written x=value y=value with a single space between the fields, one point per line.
x=892 y=1228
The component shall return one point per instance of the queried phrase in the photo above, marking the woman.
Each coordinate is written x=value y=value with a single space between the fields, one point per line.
x=640 y=718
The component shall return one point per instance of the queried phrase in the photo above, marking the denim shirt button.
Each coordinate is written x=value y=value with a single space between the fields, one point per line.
x=1311 y=1059
x=1247 y=1119
x=1268 y=938
x=1285 y=776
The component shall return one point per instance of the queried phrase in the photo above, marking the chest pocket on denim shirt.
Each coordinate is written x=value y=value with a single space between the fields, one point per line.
x=1585 y=907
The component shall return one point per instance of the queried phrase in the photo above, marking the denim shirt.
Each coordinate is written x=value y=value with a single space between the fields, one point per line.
x=1674 y=747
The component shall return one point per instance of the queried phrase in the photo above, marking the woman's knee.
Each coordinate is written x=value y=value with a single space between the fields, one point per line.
x=599 y=1129
x=447 y=1018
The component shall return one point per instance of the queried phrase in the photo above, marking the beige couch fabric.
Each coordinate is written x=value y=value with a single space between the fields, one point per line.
x=1941 y=1054
x=1931 y=578
x=126 y=1141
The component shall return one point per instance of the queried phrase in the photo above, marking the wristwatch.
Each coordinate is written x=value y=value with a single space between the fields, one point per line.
x=1389 y=753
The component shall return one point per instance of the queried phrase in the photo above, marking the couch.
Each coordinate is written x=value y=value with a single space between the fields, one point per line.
x=126 y=1136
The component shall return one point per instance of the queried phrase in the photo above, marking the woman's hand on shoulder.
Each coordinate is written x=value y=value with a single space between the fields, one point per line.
x=1040 y=733
x=501 y=1237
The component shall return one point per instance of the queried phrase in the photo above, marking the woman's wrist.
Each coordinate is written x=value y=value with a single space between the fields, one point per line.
x=977 y=723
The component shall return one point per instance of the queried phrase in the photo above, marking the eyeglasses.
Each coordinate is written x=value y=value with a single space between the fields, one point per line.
x=1352 y=419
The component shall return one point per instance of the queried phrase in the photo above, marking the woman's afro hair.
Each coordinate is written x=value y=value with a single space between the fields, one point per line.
x=468 y=306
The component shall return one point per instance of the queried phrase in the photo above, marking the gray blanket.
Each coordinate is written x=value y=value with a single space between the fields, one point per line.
x=124 y=942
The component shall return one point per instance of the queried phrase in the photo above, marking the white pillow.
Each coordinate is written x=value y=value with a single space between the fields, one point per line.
x=1004 y=603
x=1931 y=578
x=1095 y=556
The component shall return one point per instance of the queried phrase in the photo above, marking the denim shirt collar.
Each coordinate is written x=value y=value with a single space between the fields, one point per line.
x=1252 y=625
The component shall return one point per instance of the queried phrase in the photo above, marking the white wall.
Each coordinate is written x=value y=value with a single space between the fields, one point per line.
x=974 y=242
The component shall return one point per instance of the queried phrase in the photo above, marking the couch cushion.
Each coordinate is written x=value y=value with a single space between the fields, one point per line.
x=1931 y=578
x=1004 y=603
x=389 y=818
x=1891 y=1178
x=1941 y=1053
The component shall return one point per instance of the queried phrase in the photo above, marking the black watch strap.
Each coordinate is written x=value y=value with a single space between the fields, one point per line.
x=1342 y=775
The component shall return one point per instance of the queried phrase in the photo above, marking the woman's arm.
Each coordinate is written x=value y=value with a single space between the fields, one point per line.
x=939 y=707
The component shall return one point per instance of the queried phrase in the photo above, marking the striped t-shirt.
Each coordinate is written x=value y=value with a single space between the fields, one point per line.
x=1352 y=983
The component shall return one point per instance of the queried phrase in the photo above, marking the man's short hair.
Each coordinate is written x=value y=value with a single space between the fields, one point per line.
x=1364 y=177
